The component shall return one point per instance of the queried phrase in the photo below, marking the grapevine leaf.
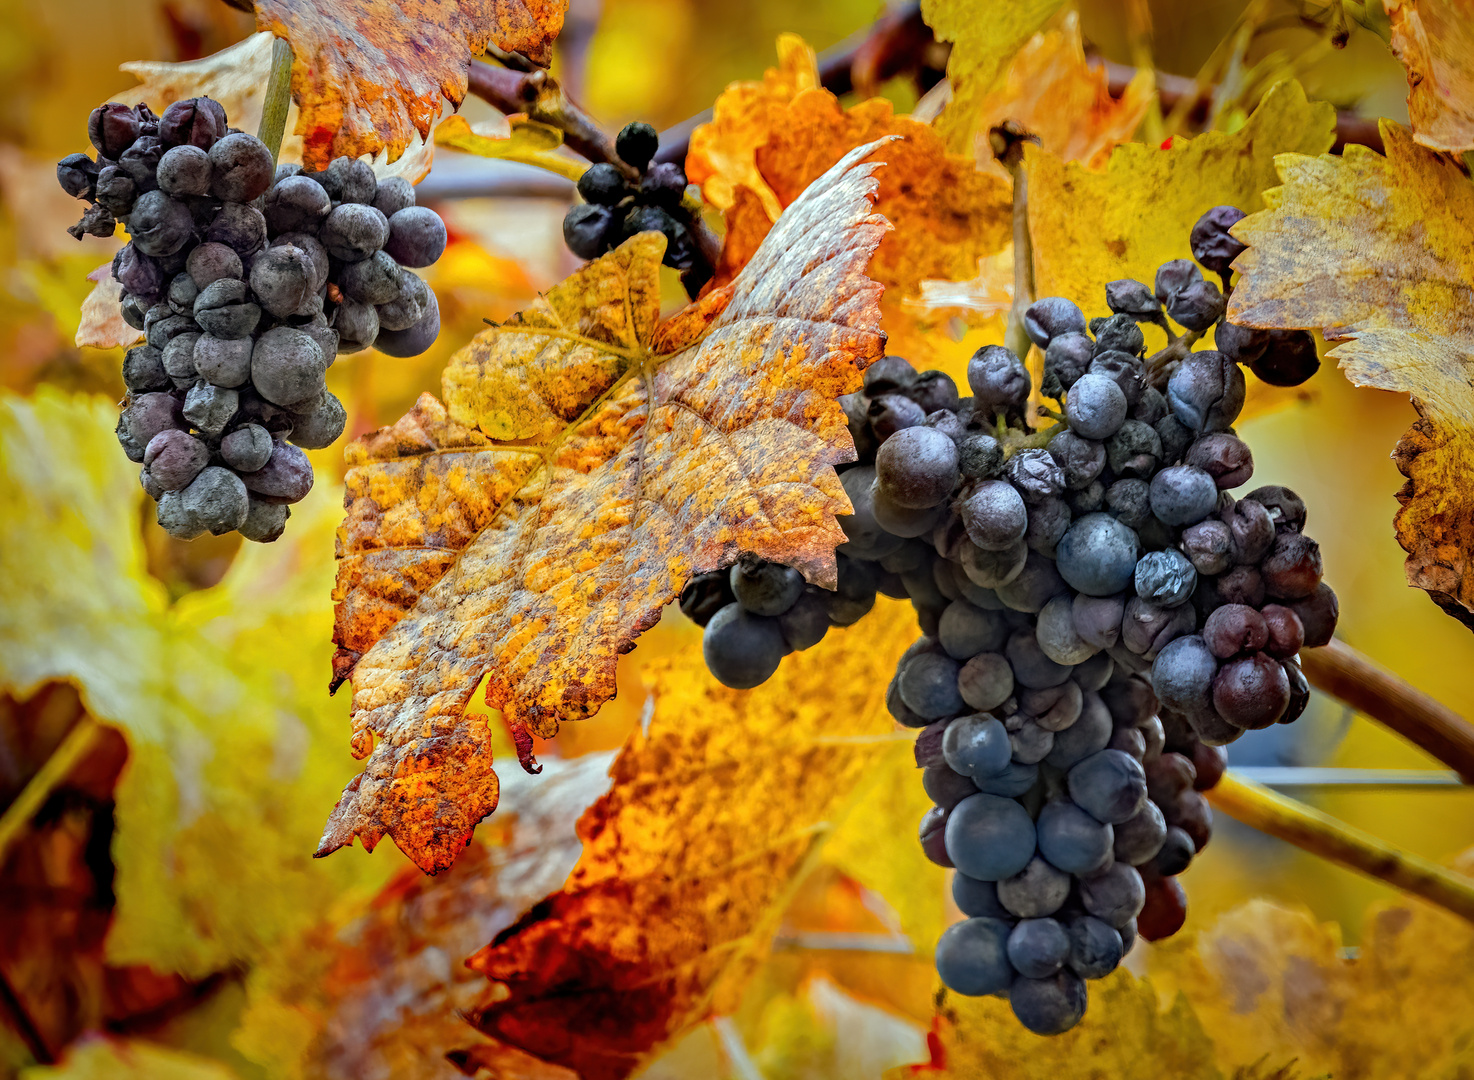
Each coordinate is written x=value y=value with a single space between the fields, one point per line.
x=1050 y=92
x=369 y=74
x=1124 y=1033
x=102 y=325
x=1270 y=983
x=237 y=78
x=1379 y=251
x=716 y=810
x=984 y=35
x=1434 y=39
x=215 y=694
x=772 y=139
x=320 y=1006
x=586 y=462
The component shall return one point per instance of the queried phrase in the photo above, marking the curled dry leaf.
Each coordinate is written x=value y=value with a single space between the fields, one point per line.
x=946 y=214
x=102 y=325
x=1051 y=92
x=526 y=141
x=1379 y=253
x=716 y=811
x=587 y=461
x=348 y=52
x=1434 y=39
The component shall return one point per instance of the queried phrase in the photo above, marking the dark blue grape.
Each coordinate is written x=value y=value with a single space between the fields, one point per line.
x=1183 y=495
x=1051 y=316
x=972 y=957
x=976 y=746
x=1095 y=408
x=741 y=649
x=978 y=899
x=1049 y=1006
x=989 y=837
x=1109 y=785
x=928 y=685
x=1037 y=948
x=1035 y=891
x=1098 y=554
x=1012 y=783
x=1072 y=839
x=1095 y=947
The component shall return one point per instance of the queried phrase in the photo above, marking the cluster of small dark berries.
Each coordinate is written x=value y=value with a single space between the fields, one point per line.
x=1100 y=615
x=616 y=208
x=247 y=282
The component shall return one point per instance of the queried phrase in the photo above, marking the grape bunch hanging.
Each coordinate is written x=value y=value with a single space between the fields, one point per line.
x=616 y=207
x=1099 y=615
x=247 y=281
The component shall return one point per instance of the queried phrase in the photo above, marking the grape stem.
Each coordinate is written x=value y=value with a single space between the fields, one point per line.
x=1016 y=337
x=1369 y=688
x=1176 y=349
x=540 y=97
x=278 y=98
x=1320 y=834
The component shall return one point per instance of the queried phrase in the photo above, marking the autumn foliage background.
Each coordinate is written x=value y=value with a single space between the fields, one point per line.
x=163 y=917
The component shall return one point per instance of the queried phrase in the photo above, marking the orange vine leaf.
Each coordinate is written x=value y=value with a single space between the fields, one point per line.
x=586 y=462
x=369 y=73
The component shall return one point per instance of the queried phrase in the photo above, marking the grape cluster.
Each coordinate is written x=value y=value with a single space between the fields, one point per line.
x=1099 y=617
x=615 y=208
x=247 y=281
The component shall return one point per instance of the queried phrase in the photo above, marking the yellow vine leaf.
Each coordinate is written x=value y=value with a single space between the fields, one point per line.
x=718 y=807
x=317 y=1007
x=529 y=142
x=217 y=695
x=1269 y=983
x=587 y=461
x=1125 y=1033
x=128 y=1059
x=984 y=35
x=1434 y=39
x=1379 y=252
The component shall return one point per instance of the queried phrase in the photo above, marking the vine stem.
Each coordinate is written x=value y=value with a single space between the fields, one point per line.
x=1369 y=688
x=78 y=742
x=541 y=98
x=278 y=98
x=1320 y=834
x=1015 y=337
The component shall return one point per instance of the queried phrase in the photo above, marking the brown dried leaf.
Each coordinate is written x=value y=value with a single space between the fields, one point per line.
x=1434 y=39
x=1379 y=253
x=368 y=74
x=716 y=811
x=587 y=462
